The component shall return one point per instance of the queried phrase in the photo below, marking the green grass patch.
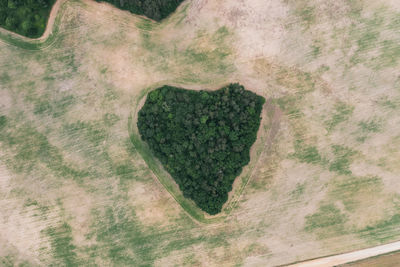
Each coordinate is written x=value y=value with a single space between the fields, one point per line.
x=343 y=159
x=3 y=122
x=110 y=119
x=341 y=114
x=4 y=78
x=91 y=131
x=125 y=243
x=10 y=261
x=298 y=191
x=210 y=61
x=219 y=37
x=289 y=105
x=383 y=231
x=31 y=148
x=146 y=25
x=326 y=221
x=390 y=54
x=62 y=244
x=53 y=107
x=306 y=14
x=367 y=40
x=349 y=189
x=306 y=153
x=212 y=57
x=315 y=51
x=388 y=103
x=366 y=128
x=370 y=126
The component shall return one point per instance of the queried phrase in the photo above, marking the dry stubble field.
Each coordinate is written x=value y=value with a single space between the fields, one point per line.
x=75 y=191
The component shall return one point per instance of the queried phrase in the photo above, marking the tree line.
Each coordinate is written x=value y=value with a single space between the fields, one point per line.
x=25 y=17
x=29 y=17
x=202 y=138
x=154 y=9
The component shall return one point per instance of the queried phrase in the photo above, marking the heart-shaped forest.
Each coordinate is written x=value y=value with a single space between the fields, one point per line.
x=202 y=138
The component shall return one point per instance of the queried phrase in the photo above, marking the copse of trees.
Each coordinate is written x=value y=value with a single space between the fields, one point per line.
x=25 y=17
x=202 y=138
x=154 y=9
x=29 y=17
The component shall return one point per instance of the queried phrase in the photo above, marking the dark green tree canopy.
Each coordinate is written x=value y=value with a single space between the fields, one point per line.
x=154 y=9
x=202 y=138
x=26 y=17
x=29 y=17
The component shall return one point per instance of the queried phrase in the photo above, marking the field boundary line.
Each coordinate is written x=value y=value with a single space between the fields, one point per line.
x=266 y=148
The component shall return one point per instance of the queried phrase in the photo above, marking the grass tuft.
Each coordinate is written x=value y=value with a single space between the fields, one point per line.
x=342 y=113
x=328 y=219
x=343 y=159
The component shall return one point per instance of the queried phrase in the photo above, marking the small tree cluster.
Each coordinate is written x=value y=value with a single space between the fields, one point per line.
x=202 y=138
x=154 y=9
x=26 y=17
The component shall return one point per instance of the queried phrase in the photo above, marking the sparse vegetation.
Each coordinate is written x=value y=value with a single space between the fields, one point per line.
x=202 y=138
x=352 y=189
x=298 y=191
x=368 y=127
x=118 y=227
x=382 y=230
x=3 y=121
x=306 y=153
x=327 y=216
x=62 y=244
x=371 y=126
x=32 y=147
x=343 y=159
x=342 y=113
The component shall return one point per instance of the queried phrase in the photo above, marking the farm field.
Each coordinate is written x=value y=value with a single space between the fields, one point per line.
x=77 y=188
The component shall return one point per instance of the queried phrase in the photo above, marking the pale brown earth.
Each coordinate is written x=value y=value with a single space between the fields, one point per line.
x=73 y=190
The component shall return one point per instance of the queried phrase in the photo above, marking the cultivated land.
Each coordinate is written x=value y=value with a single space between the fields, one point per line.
x=324 y=173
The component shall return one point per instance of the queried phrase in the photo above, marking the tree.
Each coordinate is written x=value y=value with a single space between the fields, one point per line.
x=202 y=138
x=26 y=17
x=25 y=26
x=154 y=9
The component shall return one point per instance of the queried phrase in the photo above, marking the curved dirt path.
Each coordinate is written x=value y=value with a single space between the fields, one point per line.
x=51 y=20
x=49 y=27
x=350 y=256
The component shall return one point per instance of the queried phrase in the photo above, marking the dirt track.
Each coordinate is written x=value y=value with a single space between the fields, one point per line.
x=49 y=26
x=350 y=257
x=52 y=18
